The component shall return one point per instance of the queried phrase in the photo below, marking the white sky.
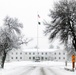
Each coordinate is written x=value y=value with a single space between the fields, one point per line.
x=26 y=12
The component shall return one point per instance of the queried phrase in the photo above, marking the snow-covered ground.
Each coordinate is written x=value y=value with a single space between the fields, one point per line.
x=36 y=68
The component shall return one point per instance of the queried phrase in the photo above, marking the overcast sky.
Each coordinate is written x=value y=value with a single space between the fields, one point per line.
x=26 y=12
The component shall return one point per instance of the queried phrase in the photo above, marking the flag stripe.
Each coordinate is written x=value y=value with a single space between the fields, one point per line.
x=38 y=16
x=39 y=19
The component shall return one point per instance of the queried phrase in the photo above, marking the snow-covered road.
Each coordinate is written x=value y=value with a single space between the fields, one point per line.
x=34 y=69
x=28 y=71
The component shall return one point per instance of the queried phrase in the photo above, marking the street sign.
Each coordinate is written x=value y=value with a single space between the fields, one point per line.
x=73 y=62
x=73 y=58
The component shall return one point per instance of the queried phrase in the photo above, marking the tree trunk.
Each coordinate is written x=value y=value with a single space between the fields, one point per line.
x=74 y=44
x=3 y=59
x=65 y=63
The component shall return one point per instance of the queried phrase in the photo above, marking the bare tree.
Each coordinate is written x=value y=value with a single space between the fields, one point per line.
x=9 y=37
x=63 y=23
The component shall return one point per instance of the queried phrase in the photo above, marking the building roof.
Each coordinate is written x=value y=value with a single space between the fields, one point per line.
x=40 y=50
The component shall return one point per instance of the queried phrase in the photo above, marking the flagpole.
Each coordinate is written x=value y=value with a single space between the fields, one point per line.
x=38 y=23
x=37 y=34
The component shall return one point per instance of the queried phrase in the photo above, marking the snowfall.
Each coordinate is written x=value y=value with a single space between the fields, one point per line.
x=37 y=68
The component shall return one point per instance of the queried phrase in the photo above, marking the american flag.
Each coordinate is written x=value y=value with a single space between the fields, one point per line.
x=38 y=16
x=39 y=19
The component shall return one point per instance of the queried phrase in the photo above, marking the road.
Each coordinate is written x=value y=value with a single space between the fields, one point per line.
x=33 y=70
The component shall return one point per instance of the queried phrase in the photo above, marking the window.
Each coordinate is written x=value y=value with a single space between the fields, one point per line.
x=63 y=57
x=16 y=53
x=59 y=58
x=25 y=53
x=46 y=53
x=33 y=57
x=29 y=53
x=59 y=53
x=42 y=58
x=33 y=53
x=11 y=57
x=42 y=53
x=20 y=53
x=20 y=57
x=63 y=53
x=45 y=57
x=16 y=57
x=55 y=57
x=12 y=53
x=55 y=53
x=29 y=57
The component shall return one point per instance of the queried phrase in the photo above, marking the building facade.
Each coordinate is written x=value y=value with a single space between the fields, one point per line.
x=32 y=55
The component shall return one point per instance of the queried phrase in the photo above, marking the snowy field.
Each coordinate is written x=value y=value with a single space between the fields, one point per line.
x=36 y=68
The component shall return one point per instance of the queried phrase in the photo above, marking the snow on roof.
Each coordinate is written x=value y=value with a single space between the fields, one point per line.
x=40 y=50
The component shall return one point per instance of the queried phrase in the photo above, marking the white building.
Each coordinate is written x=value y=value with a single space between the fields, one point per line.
x=59 y=55
x=31 y=55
